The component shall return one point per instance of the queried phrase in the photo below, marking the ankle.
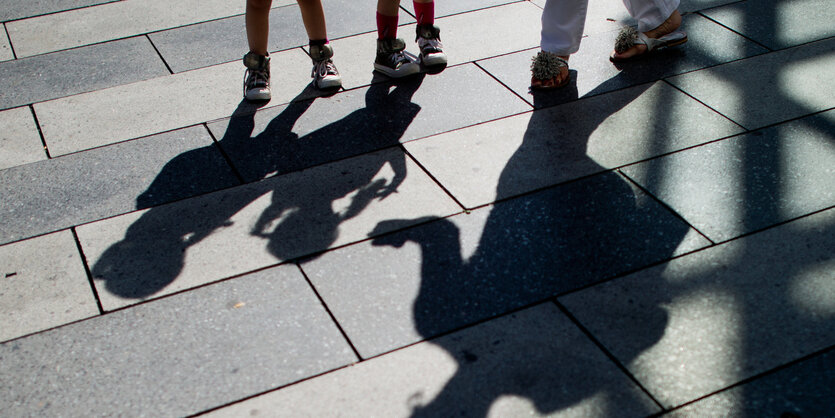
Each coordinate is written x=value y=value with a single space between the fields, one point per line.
x=670 y=25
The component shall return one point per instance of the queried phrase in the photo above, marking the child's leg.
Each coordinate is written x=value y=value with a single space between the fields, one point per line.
x=325 y=74
x=428 y=35
x=387 y=14
x=258 y=25
x=314 y=19
x=424 y=11
x=390 y=57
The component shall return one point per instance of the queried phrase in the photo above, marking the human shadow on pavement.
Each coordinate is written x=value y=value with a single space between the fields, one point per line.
x=299 y=221
x=531 y=249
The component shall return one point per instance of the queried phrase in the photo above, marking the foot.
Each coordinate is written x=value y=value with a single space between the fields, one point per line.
x=431 y=49
x=325 y=75
x=392 y=61
x=549 y=71
x=257 y=77
x=626 y=48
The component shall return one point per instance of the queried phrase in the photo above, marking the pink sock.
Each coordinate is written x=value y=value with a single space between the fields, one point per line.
x=425 y=13
x=386 y=26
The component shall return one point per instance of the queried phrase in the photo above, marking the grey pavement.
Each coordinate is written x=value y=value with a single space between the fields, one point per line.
x=655 y=239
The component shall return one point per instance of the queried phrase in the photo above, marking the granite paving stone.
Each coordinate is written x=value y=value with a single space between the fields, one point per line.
x=20 y=142
x=448 y=7
x=44 y=285
x=798 y=83
x=778 y=25
x=803 y=390
x=743 y=184
x=60 y=74
x=116 y=20
x=171 y=102
x=592 y=73
x=720 y=315
x=63 y=192
x=304 y=133
x=178 y=246
x=5 y=47
x=416 y=284
x=512 y=156
x=531 y=363
x=224 y=40
x=13 y=9
x=178 y=356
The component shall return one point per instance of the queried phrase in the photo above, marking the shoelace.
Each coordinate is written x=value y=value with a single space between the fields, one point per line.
x=434 y=43
x=324 y=68
x=256 y=78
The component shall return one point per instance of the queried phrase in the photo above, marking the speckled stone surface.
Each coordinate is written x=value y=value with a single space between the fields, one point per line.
x=566 y=142
x=778 y=25
x=80 y=70
x=720 y=315
x=178 y=356
x=115 y=20
x=448 y=7
x=804 y=390
x=197 y=241
x=592 y=73
x=13 y=9
x=20 y=142
x=303 y=134
x=531 y=363
x=747 y=183
x=798 y=82
x=44 y=285
x=418 y=283
x=52 y=195
x=5 y=48
x=134 y=110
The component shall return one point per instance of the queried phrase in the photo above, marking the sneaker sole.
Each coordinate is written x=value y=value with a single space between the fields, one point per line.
x=328 y=84
x=403 y=71
x=258 y=96
x=432 y=60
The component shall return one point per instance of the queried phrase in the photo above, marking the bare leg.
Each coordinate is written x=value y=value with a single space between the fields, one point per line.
x=258 y=25
x=314 y=19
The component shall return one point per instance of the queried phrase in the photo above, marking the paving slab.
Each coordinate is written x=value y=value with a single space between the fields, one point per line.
x=798 y=83
x=110 y=21
x=778 y=25
x=531 y=363
x=80 y=70
x=20 y=142
x=804 y=390
x=449 y=7
x=224 y=40
x=516 y=155
x=415 y=284
x=178 y=356
x=304 y=134
x=44 y=285
x=723 y=314
x=5 y=47
x=13 y=9
x=161 y=104
x=63 y=192
x=592 y=73
x=746 y=183
x=189 y=243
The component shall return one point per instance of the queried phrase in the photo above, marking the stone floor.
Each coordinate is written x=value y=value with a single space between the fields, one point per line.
x=655 y=239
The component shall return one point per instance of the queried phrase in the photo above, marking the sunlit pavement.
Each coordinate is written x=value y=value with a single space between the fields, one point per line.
x=654 y=239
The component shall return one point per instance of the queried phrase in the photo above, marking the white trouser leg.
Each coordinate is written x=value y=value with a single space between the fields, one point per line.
x=650 y=13
x=562 y=26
